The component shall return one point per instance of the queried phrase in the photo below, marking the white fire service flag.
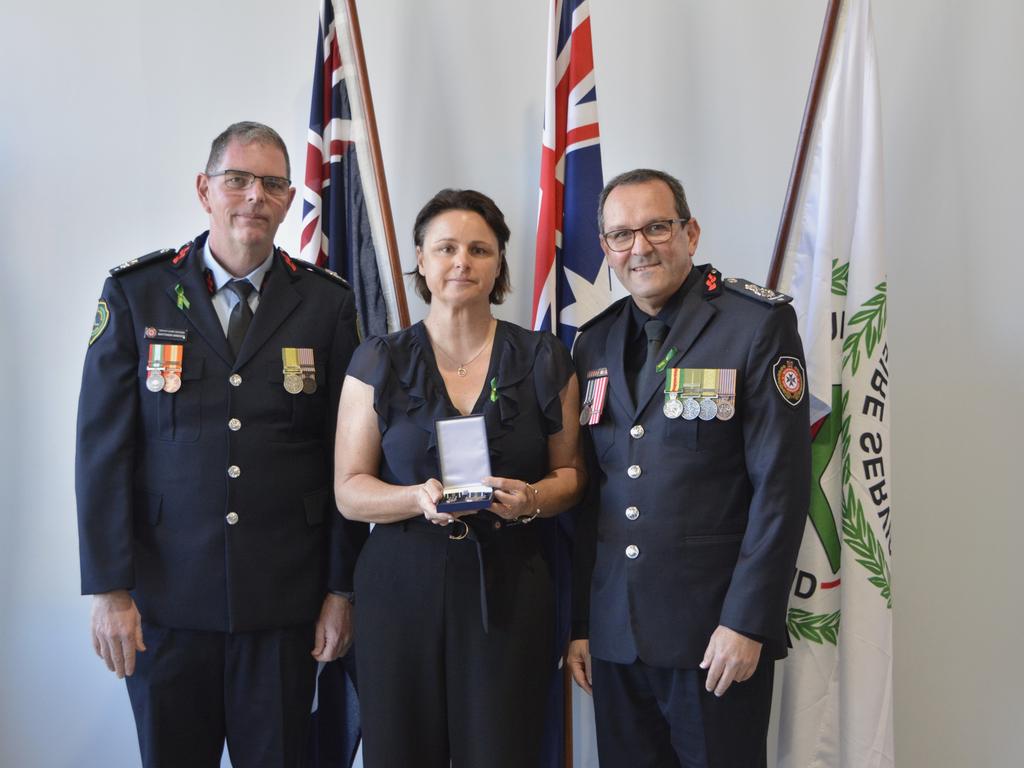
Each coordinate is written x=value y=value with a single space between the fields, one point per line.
x=837 y=682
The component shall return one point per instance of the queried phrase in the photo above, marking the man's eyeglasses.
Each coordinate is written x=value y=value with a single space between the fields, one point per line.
x=655 y=232
x=241 y=180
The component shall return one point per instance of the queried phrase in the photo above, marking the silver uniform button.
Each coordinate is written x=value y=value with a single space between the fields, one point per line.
x=632 y=513
x=234 y=471
x=637 y=431
x=234 y=425
x=634 y=471
x=632 y=551
x=235 y=380
x=232 y=518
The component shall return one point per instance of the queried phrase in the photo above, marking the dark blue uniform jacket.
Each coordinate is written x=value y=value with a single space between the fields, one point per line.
x=720 y=505
x=154 y=478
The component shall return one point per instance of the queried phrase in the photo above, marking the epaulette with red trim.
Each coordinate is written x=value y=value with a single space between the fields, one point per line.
x=141 y=261
x=294 y=265
x=712 y=281
x=755 y=291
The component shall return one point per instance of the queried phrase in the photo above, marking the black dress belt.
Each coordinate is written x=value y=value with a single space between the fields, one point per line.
x=469 y=528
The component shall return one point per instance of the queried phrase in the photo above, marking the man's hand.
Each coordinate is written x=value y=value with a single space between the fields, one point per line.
x=333 y=628
x=578 y=659
x=116 y=631
x=730 y=658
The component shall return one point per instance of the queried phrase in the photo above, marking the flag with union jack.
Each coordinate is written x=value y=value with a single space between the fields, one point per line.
x=572 y=282
x=342 y=226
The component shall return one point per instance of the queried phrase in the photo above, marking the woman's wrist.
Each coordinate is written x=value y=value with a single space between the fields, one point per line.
x=533 y=496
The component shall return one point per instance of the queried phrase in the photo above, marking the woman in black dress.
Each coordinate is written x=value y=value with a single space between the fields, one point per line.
x=454 y=616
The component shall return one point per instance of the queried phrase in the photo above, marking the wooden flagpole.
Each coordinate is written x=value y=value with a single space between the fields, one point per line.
x=378 y=165
x=804 y=142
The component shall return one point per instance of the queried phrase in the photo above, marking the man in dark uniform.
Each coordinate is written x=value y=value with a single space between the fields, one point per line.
x=208 y=531
x=699 y=457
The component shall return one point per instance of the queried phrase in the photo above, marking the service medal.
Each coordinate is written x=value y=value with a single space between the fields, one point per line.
x=292 y=370
x=155 y=368
x=673 y=408
x=584 y=415
x=173 y=354
x=726 y=410
x=691 y=408
x=727 y=394
x=292 y=383
x=709 y=391
x=707 y=409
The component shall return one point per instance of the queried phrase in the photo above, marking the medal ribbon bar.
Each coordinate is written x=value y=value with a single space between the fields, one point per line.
x=308 y=370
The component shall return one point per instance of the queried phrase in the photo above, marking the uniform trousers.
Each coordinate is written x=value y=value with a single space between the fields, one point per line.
x=434 y=686
x=655 y=717
x=193 y=690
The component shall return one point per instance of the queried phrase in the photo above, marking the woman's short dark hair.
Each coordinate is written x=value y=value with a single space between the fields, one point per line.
x=464 y=200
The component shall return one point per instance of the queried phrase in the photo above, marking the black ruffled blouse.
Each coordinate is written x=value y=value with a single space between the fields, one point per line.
x=519 y=401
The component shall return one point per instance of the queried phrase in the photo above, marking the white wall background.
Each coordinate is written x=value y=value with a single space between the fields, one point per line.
x=108 y=110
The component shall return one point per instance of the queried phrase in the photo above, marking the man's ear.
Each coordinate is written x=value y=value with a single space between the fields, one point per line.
x=203 y=191
x=692 y=235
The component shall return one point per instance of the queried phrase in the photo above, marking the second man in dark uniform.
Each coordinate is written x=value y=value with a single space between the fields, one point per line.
x=697 y=434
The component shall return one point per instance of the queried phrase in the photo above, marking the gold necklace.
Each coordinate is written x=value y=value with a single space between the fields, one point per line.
x=461 y=369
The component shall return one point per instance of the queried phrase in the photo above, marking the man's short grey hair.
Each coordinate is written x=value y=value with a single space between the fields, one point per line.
x=642 y=176
x=246 y=132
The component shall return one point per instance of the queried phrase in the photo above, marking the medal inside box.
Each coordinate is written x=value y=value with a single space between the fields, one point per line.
x=464 y=458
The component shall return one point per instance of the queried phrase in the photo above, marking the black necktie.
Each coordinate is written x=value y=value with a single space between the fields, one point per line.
x=241 y=315
x=655 y=330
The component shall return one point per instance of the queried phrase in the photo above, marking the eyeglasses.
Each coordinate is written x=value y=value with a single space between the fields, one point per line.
x=241 y=180
x=655 y=232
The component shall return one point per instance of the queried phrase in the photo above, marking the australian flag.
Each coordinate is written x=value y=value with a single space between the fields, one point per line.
x=572 y=282
x=341 y=221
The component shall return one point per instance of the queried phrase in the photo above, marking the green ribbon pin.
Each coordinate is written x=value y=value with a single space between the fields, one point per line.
x=183 y=302
x=666 y=360
x=494 y=390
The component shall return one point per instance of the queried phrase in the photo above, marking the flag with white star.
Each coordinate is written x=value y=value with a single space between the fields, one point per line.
x=572 y=282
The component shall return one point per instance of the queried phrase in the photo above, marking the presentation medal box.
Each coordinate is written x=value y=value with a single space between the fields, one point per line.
x=464 y=456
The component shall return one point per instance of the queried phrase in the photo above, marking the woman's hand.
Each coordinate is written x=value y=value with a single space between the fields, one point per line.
x=428 y=494
x=513 y=499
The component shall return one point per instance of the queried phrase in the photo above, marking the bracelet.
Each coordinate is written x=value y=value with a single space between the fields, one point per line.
x=536 y=508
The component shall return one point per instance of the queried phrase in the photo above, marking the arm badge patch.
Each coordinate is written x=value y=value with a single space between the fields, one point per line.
x=102 y=319
x=790 y=380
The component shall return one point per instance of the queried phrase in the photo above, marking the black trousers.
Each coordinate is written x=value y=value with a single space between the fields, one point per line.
x=652 y=717
x=434 y=686
x=193 y=690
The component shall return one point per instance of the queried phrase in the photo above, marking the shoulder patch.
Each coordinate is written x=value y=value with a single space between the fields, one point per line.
x=610 y=309
x=141 y=261
x=789 y=377
x=100 y=322
x=755 y=291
